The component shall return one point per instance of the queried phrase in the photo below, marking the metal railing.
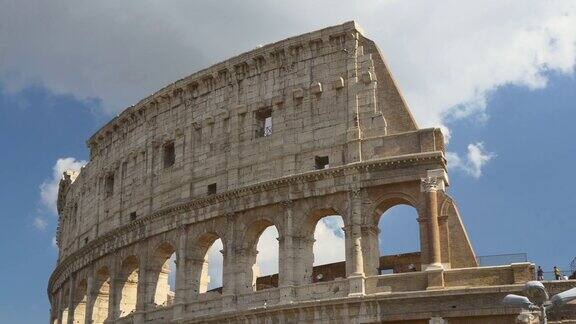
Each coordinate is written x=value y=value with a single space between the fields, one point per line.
x=501 y=259
x=264 y=131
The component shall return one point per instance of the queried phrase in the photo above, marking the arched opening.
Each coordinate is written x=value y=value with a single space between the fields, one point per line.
x=102 y=288
x=64 y=303
x=128 y=287
x=399 y=240
x=260 y=256
x=162 y=265
x=325 y=252
x=267 y=259
x=205 y=266
x=79 y=305
x=212 y=269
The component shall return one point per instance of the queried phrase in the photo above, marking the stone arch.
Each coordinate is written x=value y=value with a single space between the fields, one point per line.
x=452 y=230
x=157 y=273
x=198 y=263
x=100 y=302
x=248 y=267
x=304 y=242
x=370 y=235
x=79 y=303
x=198 y=243
x=128 y=286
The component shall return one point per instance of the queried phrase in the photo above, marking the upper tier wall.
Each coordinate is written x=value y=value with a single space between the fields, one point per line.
x=328 y=94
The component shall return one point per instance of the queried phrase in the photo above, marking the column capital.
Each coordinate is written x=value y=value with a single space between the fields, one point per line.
x=431 y=184
x=356 y=192
x=289 y=203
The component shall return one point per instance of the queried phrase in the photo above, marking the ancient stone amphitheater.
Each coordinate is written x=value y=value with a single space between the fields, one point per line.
x=282 y=136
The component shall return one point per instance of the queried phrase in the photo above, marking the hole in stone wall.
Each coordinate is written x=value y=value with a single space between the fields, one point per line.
x=263 y=122
x=109 y=185
x=322 y=162
x=169 y=154
x=211 y=189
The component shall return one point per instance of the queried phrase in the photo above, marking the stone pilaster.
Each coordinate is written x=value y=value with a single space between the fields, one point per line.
x=356 y=277
x=229 y=265
x=286 y=276
x=429 y=187
x=142 y=290
x=114 y=293
x=90 y=297
x=71 y=290
x=180 y=289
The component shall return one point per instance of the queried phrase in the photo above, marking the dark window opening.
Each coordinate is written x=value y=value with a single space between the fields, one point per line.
x=263 y=119
x=322 y=162
x=109 y=185
x=212 y=189
x=85 y=240
x=133 y=216
x=169 y=155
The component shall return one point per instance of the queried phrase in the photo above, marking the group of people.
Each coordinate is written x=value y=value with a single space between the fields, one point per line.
x=557 y=274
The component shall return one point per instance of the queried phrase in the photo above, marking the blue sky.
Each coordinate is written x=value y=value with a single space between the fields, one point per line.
x=502 y=84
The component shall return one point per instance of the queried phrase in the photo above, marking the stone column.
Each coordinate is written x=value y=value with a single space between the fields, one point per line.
x=356 y=277
x=71 y=286
x=303 y=247
x=113 y=293
x=429 y=187
x=59 y=307
x=229 y=265
x=246 y=273
x=370 y=249
x=141 y=291
x=180 y=289
x=89 y=297
x=286 y=256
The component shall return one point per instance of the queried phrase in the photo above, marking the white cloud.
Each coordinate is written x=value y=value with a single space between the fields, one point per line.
x=40 y=223
x=476 y=159
x=49 y=188
x=447 y=56
x=54 y=243
x=329 y=244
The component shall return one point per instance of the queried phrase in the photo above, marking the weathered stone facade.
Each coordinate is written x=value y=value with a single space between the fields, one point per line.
x=283 y=135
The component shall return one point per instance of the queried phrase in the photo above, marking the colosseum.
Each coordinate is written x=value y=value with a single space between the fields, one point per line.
x=283 y=135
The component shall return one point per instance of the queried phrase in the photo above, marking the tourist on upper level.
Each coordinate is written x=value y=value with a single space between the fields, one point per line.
x=557 y=273
x=540 y=274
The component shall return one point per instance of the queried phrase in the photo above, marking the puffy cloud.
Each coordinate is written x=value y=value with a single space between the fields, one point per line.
x=49 y=188
x=475 y=160
x=447 y=56
x=40 y=223
x=329 y=244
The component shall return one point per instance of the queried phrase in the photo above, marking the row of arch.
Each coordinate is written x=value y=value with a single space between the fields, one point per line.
x=148 y=281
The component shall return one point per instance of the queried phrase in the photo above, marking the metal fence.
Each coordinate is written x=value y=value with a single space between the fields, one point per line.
x=501 y=259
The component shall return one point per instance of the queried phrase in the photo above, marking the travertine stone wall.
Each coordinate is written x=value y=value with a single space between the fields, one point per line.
x=282 y=136
x=323 y=91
